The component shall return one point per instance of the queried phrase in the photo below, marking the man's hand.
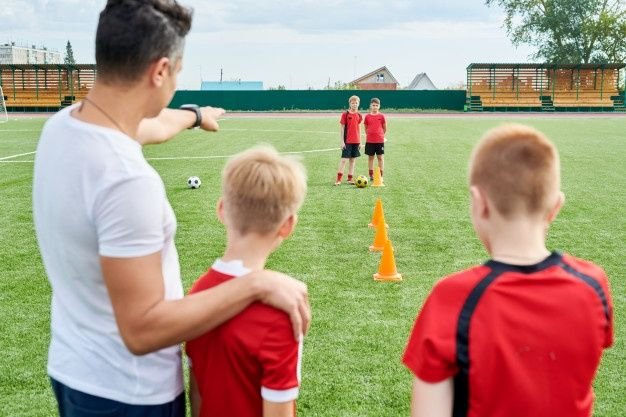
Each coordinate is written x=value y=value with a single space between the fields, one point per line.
x=210 y=116
x=289 y=295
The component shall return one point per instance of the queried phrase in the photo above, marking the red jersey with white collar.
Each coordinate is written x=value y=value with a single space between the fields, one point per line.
x=251 y=357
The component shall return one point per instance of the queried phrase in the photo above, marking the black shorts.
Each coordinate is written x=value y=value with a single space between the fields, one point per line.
x=372 y=149
x=351 y=151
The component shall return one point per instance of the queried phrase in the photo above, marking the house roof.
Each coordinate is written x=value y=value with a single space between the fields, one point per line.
x=419 y=79
x=384 y=68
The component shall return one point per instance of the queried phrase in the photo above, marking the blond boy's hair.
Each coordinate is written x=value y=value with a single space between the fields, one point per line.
x=261 y=189
x=518 y=168
x=354 y=98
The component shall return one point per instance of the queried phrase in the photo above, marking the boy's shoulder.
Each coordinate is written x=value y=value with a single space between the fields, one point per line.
x=583 y=266
x=460 y=283
x=259 y=315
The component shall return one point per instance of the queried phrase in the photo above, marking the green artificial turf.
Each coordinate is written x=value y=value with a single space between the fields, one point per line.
x=352 y=353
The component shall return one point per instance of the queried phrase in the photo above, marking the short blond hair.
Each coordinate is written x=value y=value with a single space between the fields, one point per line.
x=261 y=189
x=354 y=98
x=518 y=168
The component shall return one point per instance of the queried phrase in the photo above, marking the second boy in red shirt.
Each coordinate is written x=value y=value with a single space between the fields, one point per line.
x=375 y=129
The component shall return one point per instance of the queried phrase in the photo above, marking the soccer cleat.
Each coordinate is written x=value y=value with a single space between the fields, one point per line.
x=351 y=182
x=338 y=183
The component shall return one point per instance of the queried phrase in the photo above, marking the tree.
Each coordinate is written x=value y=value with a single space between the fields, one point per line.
x=568 y=31
x=339 y=85
x=69 y=54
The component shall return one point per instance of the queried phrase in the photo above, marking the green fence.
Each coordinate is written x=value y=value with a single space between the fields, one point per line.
x=280 y=100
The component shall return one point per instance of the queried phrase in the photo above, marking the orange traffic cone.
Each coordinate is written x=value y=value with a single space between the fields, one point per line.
x=378 y=181
x=381 y=237
x=387 y=268
x=378 y=214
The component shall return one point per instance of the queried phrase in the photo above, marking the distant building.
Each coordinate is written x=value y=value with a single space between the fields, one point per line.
x=231 y=85
x=380 y=79
x=11 y=54
x=421 y=82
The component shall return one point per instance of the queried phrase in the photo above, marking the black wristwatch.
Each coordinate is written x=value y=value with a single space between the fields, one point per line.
x=196 y=109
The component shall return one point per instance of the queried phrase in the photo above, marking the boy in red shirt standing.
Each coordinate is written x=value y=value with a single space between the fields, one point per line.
x=350 y=139
x=375 y=129
x=250 y=365
x=522 y=334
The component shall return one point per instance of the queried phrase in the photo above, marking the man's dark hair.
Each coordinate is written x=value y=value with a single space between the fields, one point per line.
x=132 y=34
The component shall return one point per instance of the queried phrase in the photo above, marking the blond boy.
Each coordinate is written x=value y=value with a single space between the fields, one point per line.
x=522 y=334
x=350 y=135
x=250 y=365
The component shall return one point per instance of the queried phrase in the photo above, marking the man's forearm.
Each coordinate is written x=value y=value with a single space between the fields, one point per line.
x=165 y=126
x=170 y=322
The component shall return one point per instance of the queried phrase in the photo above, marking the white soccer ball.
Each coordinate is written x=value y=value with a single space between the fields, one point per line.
x=193 y=182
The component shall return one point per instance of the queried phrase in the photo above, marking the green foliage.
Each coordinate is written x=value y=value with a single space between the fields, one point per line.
x=340 y=85
x=69 y=54
x=351 y=364
x=568 y=31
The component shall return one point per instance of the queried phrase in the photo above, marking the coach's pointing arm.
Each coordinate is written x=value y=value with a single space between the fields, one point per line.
x=171 y=122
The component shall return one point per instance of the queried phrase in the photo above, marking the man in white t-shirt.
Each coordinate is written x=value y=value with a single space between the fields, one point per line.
x=106 y=229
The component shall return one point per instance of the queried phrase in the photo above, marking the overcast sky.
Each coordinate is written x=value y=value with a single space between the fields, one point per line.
x=296 y=43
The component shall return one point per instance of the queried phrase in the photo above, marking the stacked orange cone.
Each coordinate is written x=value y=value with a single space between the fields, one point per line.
x=381 y=237
x=378 y=215
x=387 y=268
x=378 y=180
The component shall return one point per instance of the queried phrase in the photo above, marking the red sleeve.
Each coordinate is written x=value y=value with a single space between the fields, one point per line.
x=280 y=355
x=343 y=118
x=431 y=349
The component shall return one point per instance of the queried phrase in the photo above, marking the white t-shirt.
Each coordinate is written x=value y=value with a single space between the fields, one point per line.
x=95 y=195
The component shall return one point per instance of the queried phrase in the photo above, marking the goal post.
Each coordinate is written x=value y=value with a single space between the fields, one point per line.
x=4 y=117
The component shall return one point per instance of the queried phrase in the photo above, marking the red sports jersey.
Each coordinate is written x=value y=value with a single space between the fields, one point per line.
x=519 y=340
x=353 y=122
x=251 y=357
x=375 y=126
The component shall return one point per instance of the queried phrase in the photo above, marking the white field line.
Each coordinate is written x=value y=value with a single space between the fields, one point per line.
x=15 y=156
x=20 y=130
x=178 y=158
x=272 y=130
